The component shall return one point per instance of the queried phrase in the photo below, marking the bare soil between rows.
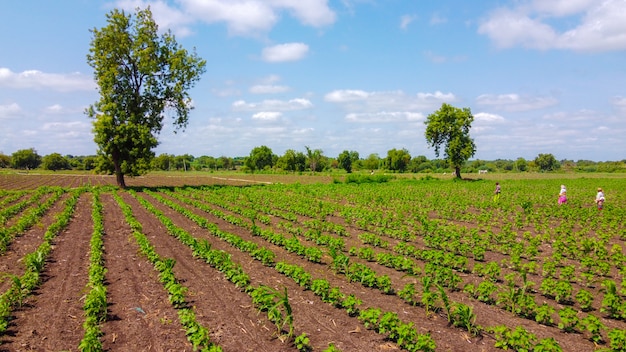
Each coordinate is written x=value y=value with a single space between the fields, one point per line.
x=140 y=317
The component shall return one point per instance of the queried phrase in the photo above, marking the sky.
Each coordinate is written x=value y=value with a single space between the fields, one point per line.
x=359 y=75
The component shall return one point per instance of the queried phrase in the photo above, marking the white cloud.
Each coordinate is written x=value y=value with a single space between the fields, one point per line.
x=72 y=127
x=33 y=79
x=9 y=111
x=515 y=102
x=268 y=89
x=285 y=52
x=487 y=117
x=384 y=117
x=54 y=109
x=242 y=17
x=406 y=20
x=599 y=25
x=273 y=105
x=267 y=116
x=346 y=95
x=372 y=102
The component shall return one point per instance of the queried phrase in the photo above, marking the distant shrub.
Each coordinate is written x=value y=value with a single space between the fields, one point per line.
x=368 y=178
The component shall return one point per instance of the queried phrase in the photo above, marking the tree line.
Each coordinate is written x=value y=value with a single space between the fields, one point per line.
x=263 y=160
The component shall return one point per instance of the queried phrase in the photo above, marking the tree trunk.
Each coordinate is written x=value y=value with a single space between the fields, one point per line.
x=119 y=175
x=457 y=171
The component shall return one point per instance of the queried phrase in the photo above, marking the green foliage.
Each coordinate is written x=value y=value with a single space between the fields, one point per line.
x=140 y=74
x=449 y=127
x=55 y=161
x=547 y=162
x=569 y=319
x=516 y=340
x=260 y=158
x=617 y=340
x=346 y=159
x=25 y=159
x=358 y=179
x=302 y=343
x=397 y=160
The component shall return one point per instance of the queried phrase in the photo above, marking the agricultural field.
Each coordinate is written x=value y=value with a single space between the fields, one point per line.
x=302 y=263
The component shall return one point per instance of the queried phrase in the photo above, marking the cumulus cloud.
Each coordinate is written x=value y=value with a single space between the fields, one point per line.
x=384 y=117
x=273 y=105
x=515 y=102
x=359 y=101
x=488 y=118
x=346 y=95
x=34 y=79
x=268 y=89
x=267 y=116
x=285 y=52
x=242 y=17
x=10 y=110
x=598 y=25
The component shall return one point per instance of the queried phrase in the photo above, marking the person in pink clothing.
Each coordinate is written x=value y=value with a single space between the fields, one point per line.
x=563 y=195
x=600 y=199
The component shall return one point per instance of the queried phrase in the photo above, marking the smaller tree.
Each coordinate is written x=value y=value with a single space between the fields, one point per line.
x=292 y=161
x=54 y=162
x=398 y=160
x=449 y=127
x=521 y=164
x=315 y=159
x=5 y=160
x=25 y=159
x=547 y=162
x=346 y=159
x=260 y=158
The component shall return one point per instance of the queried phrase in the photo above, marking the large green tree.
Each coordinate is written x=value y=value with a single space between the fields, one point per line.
x=25 y=159
x=449 y=127
x=141 y=75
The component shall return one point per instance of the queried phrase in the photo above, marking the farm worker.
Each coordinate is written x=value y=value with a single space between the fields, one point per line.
x=496 y=195
x=563 y=195
x=600 y=198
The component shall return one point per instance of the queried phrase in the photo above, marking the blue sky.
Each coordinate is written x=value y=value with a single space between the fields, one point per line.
x=539 y=76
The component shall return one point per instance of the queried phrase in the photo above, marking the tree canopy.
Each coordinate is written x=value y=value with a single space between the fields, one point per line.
x=347 y=158
x=547 y=162
x=397 y=159
x=260 y=158
x=292 y=161
x=449 y=127
x=25 y=159
x=54 y=162
x=141 y=74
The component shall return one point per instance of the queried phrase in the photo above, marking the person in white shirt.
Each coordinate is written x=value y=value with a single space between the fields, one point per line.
x=600 y=199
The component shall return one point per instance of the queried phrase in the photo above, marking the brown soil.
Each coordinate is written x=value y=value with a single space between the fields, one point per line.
x=140 y=317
